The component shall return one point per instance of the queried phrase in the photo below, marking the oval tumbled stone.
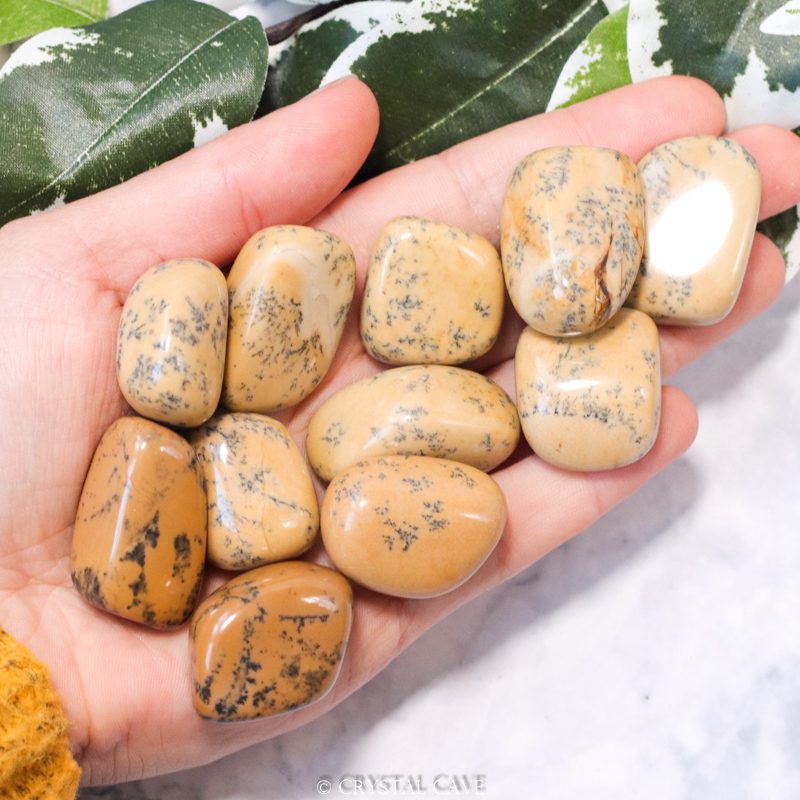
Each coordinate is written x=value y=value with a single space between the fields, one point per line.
x=591 y=402
x=572 y=234
x=262 y=506
x=411 y=526
x=139 y=543
x=426 y=410
x=702 y=195
x=290 y=292
x=171 y=342
x=271 y=640
x=434 y=294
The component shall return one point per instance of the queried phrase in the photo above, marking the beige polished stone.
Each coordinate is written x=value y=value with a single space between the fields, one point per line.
x=411 y=526
x=171 y=342
x=702 y=196
x=591 y=402
x=262 y=506
x=269 y=641
x=434 y=294
x=440 y=411
x=139 y=543
x=290 y=292
x=572 y=234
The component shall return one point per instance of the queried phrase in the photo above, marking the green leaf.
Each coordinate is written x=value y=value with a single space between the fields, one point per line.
x=599 y=63
x=85 y=108
x=784 y=230
x=446 y=71
x=748 y=50
x=298 y=64
x=22 y=18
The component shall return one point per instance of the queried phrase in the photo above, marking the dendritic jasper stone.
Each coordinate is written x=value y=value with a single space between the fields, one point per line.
x=171 y=342
x=139 y=543
x=411 y=526
x=702 y=196
x=262 y=506
x=571 y=236
x=290 y=293
x=434 y=294
x=439 y=411
x=271 y=640
x=591 y=402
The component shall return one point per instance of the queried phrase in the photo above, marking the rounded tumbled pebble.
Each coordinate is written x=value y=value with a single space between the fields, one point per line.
x=572 y=234
x=439 y=411
x=270 y=640
x=411 y=526
x=171 y=342
x=434 y=294
x=139 y=543
x=702 y=196
x=262 y=506
x=591 y=402
x=290 y=292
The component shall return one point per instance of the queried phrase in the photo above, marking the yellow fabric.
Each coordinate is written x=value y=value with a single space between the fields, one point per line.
x=35 y=759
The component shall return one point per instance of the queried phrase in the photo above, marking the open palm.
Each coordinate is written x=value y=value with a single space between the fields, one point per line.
x=65 y=274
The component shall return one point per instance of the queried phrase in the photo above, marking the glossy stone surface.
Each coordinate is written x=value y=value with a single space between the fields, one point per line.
x=271 y=640
x=139 y=543
x=262 y=506
x=439 y=411
x=572 y=234
x=434 y=294
x=702 y=196
x=171 y=342
x=591 y=402
x=290 y=292
x=411 y=526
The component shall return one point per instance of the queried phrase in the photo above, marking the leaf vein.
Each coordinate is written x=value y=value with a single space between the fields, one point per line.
x=81 y=157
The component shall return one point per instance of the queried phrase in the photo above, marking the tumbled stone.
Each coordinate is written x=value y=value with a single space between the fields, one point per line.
x=434 y=294
x=290 y=292
x=271 y=640
x=591 y=402
x=439 y=411
x=411 y=526
x=571 y=236
x=171 y=342
x=139 y=543
x=702 y=195
x=262 y=506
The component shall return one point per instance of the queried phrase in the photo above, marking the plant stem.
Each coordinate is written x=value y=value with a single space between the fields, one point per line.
x=283 y=30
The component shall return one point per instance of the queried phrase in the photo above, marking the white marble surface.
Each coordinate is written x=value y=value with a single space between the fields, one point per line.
x=657 y=656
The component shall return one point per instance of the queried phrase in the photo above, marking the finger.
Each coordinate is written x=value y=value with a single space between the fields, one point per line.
x=763 y=282
x=777 y=152
x=464 y=186
x=282 y=168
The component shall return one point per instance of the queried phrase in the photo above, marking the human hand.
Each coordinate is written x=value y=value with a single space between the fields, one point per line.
x=127 y=690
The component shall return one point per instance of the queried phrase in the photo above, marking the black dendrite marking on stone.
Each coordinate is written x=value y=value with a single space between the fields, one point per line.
x=88 y=584
x=291 y=669
x=432 y=515
x=300 y=620
x=151 y=531
x=484 y=310
x=417 y=484
x=183 y=554
x=407 y=533
x=458 y=474
x=314 y=680
x=333 y=434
